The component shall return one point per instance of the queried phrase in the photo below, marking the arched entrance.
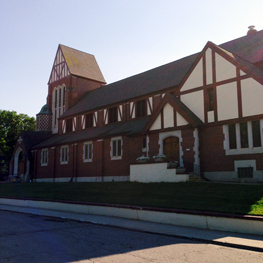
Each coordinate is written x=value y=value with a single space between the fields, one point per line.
x=171 y=148
x=20 y=164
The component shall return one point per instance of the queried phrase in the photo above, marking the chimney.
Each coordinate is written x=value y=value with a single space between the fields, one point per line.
x=251 y=30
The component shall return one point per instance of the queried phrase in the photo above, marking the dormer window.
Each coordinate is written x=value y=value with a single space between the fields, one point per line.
x=113 y=115
x=141 y=108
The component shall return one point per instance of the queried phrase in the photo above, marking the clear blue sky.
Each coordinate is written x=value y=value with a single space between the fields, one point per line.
x=126 y=36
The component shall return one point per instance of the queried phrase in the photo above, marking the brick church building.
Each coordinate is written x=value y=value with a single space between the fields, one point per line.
x=203 y=112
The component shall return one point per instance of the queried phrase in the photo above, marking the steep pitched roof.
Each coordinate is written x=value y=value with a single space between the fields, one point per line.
x=75 y=62
x=152 y=81
x=31 y=138
x=248 y=48
x=82 y=64
x=246 y=65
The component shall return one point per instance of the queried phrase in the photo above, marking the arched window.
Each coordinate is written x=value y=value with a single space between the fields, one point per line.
x=59 y=103
x=64 y=98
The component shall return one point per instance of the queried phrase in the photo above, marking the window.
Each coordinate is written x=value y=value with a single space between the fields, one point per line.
x=44 y=157
x=69 y=125
x=64 y=151
x=89 y=120
x=87 y=152
x=210 y=95
x=256 y=134
x=141 y=109
x=59 y=103
x=56 y=105
x=113 y=115
x=243 y=138
x=116 y=148
x=243 y=135
x=232 y=136
x=64 y=98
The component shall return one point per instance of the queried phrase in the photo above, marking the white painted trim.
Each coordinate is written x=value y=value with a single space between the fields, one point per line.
x=42 y=151
x=89 y=159
x=67 y=152
x=111 y=146
x=239 y=150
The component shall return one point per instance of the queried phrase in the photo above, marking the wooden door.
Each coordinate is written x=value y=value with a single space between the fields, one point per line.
x=171 y=149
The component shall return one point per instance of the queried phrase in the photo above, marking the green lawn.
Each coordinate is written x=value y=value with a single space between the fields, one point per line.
x=212 y=197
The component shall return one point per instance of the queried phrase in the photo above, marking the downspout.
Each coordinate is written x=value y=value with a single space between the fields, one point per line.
x=102 y=160
x=54 y=164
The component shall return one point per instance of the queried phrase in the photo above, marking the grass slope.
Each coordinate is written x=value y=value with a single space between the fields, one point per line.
x=212 y=197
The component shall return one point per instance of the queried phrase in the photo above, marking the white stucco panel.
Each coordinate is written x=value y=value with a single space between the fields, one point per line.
x=196 y=77
x=208 y=57
x=195 y=102
x=168 y=114
x=180 y=120
x=227 y=101
x=157 y=123
x=252 y=94
x=224 y=69
x=242 y=73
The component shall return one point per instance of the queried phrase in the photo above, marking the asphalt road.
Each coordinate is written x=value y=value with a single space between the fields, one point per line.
x=31 y=238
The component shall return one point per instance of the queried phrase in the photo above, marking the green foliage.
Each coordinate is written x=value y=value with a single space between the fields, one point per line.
x=11 y=124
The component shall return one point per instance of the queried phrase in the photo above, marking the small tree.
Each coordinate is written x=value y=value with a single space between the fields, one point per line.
x=11 y=124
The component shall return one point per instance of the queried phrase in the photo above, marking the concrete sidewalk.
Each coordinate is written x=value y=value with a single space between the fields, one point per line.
x=229 y=239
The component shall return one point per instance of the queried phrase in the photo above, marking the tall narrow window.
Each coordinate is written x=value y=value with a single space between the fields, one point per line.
x=64 y=99
x=244 y=135
x=232 y=136
x=113 y=115
x=256 y=134
x=59 y=103
x=141 y=109
x=89 y=120
x=44 y=157
x=64 y=151
x=56 y=105
x=116 y=151
x=210 y=95
x=87 y=152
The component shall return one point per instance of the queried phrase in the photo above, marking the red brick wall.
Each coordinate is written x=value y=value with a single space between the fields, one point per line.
x=153 y=144
x=213 y=157
x=188 y=142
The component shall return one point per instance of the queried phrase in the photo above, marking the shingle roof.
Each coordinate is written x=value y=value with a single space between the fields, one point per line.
x=248 y=65
x=82 y=64
x=31 y=138
x=129 y=128
x=249 y=48
x=155 y=80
